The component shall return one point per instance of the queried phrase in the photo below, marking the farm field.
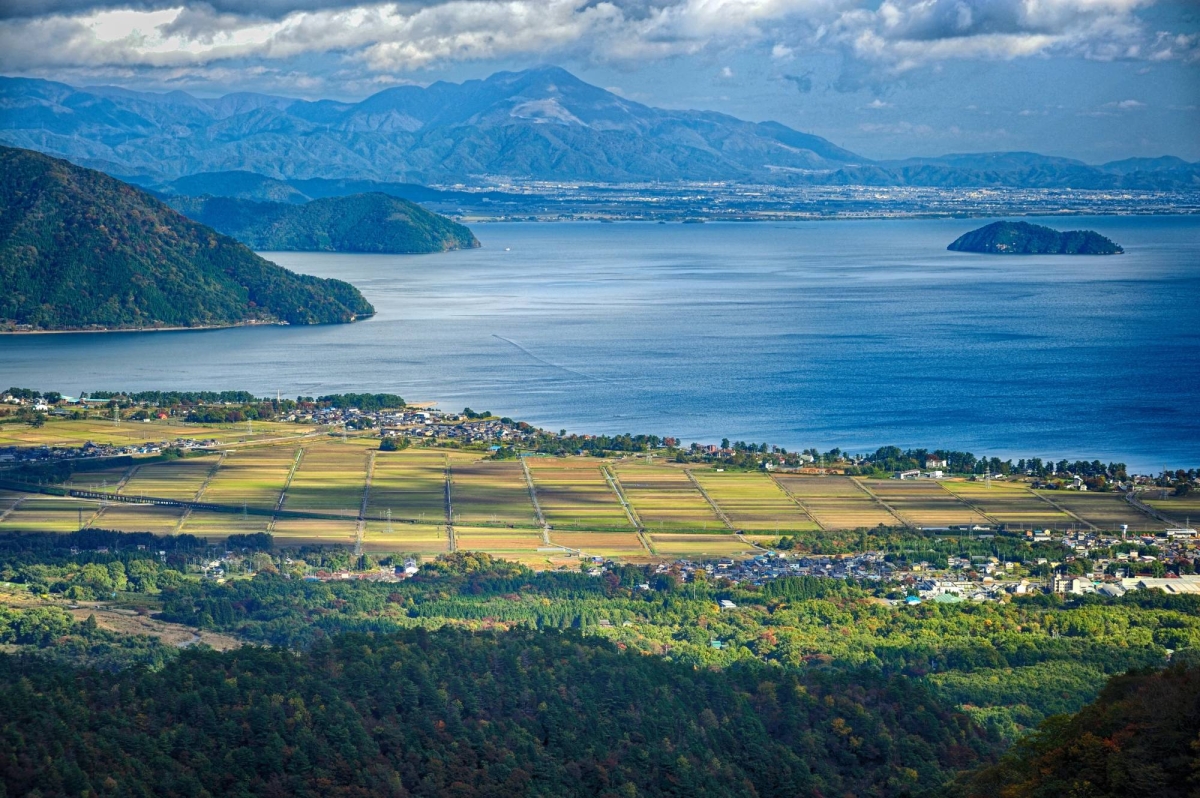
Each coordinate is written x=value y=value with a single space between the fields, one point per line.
x=65 y=432
x=699 y=546
x=497 y=541
x=301 y=531
x=174 y=479
x=1105 y=510
x=139 y=518
x=330 y=479
x=574 y=494
x=1182 y=509
x=218 y=526
x=665 y=499
x=491 y=493
x=753 y=501
x=48 y=514
x=837 y=502
x=924 y=502
x=253 y=476
x=104 y=479
x=623 y=545
x=406 y=538
x=1008 y=503
x=412 y=484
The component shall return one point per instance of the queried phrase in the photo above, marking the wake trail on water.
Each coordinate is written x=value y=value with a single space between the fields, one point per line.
x=545 y=362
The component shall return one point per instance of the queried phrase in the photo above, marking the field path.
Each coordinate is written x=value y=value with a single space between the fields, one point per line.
x=212 y=472
x=895 y=513
x=615 y=484
x=360 y=528
x=971 y=504
x=537 y=508
x=715 y=507
x=450 y=510
x=798 y=502
x=1062 y=509
x=12 y=507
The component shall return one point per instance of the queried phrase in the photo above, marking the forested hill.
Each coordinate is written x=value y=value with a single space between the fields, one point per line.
x=372 y=222
x=80 y=250
x=1023 y=238
x=454 y=713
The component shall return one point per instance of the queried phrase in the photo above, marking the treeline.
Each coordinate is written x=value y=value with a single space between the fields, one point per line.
x=366 y=402
x=453 y=713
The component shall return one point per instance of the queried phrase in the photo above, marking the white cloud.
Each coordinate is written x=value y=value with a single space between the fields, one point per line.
x=726 y=72
x=877 y=103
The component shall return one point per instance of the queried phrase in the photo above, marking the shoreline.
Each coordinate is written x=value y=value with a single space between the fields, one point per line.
x=146 y=329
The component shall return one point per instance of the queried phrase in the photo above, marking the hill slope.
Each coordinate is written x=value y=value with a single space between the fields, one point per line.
x=79 y=249
x=359 y=223
x=1023 y=238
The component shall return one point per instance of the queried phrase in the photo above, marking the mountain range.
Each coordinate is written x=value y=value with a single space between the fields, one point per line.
x=542 y=124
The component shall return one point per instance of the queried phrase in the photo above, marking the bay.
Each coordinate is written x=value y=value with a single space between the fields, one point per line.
x=850 y=333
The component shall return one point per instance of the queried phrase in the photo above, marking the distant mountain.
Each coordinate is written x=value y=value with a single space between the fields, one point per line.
x=542 y=124
x=1023 y=238
x=80 y=249
x=358 y=223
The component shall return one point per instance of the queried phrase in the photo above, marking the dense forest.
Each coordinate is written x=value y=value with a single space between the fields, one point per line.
x=80 y=249
x=359 y=223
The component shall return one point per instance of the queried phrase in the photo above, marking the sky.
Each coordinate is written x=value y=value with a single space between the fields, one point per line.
x=1091 y=79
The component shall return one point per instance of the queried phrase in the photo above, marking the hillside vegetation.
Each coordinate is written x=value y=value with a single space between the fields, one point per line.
x=372 y=222
x=1023 y=238
x=79 y=249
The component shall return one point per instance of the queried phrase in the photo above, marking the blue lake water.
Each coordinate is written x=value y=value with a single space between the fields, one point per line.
x=851 y=333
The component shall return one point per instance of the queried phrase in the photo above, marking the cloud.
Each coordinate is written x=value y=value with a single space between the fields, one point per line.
x=877 y=104
x=1126 y=105
x=803 y=83
x=726 y=72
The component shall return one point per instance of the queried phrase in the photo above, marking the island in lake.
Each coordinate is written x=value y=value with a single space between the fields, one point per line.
x=80 y=250
x=1023 y=238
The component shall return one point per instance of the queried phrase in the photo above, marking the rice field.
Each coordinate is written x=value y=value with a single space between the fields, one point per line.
x=217 y=526
x=330 y=479
x=753 y=501
x=665 y=499
x=497 y=541
x=48 y=514
x=174 y=479
x=1105 y=510
x=253 y=477
x=139 y=518
x=1181 y=509
x=837 y=502
x=1008 y=503
x=491 y=493
x=699 y=546
x=412 y=484
x=302 y=531
x=405 y=538
x=104 y=479
x=618 y=545
x=66 y=432
x=574 y=494
x=925 y=502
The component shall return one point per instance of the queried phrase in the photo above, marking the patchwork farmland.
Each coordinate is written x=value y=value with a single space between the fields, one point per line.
x=754 y=502
x=575 y=494
x=666 y=499
x=837 y=502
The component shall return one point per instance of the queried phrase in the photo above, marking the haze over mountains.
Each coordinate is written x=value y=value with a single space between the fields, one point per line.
x=540 y=123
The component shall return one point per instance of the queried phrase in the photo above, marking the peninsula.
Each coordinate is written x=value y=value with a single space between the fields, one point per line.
x=1023 y=238
x=80 y=250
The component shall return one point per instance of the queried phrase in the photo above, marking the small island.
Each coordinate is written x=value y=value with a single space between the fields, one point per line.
x=1023 y=238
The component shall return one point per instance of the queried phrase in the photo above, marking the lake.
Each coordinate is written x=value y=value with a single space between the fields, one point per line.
x=839 y=333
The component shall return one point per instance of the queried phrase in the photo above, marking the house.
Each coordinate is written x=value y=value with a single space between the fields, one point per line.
x=726 y=604
x=933 y=462
x=913 y=473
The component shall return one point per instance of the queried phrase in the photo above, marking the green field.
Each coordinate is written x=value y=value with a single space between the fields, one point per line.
x=837 y=502
x=1181 y=509
x=1008 y=503
x=48 y=514
x=412 y=484
x=491 y=493
x=699 y=546
x=618 y=545
x=574 y=494
x=139 y=518
x=253 y=476
x=665 y=499
x=406 y=538
x=754 y=502
x=924 y=502
x=330 y=479
x=174 y=479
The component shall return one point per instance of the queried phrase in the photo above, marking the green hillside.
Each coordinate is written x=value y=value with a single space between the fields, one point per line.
x=82 y=250
x=1023 y=238
x=359 y=223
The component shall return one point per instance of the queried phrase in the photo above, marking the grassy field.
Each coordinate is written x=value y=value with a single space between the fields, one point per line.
x=254 y=477
x=837 y=502
x=491 y=493
x=665 y=499
x=754 y=502
x=104 y=479
x=139 y=518
x=174 y=479
x=699 y=546
x=925 y=502
x=412 y=484
x=218 y=526
x=1008 y=503
x=406 y=538
x=48 y=514
x=1105 y=510
x=330 y=479
x=574 y=494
